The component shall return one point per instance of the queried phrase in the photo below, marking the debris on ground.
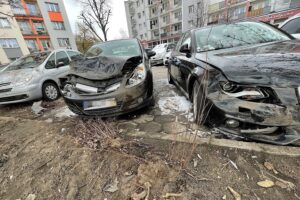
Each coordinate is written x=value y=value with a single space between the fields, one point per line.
x=112 y=187
x=235 y=194
x=269 y=166
x=37 y=108
x=31 y=197
x=266 y=183
x=168 y=195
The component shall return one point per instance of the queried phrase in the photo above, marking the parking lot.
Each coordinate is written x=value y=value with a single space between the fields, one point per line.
x=53 y=156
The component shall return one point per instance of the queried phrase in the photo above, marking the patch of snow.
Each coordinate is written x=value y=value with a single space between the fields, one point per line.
x=174 y=104
x=37 y=108
x=64 y=112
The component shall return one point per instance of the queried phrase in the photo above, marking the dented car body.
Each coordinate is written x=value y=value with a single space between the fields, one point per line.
x=113 y=78
x=243 y=79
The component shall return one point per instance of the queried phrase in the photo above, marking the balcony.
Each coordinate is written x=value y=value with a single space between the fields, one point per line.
x=26 y=31
x=256 y=12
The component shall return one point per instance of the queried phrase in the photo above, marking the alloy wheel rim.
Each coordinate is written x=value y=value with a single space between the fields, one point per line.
x=51 y=92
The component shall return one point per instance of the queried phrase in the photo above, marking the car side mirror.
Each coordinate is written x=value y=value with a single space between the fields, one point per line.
x=185 y=49
x=151 y=54
x=60 y=64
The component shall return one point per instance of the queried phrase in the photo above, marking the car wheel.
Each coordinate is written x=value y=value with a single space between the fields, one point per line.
x=170 y=80
x=200 y=104
x=50 y=91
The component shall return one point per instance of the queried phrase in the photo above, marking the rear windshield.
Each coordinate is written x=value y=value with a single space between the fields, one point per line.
x=115 y=48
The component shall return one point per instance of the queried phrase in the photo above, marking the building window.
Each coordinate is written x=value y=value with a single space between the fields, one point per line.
x=46 y=44
x=140 y=26
x=58 y=26
x=33 y=9
x=63 y=42
x=191 y=9
x=4 y=23
x=25 y=27
x=9 y=43
x=139 y=15
x=40 y=28
x=191 y=23
x=31 y=45
x=177 y=27
x=177 y=15
x=52 y=7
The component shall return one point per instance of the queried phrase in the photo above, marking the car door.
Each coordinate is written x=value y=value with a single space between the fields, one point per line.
x=62 y=63
x=184 y=62
x=174 y=61
x=293 y=27
x=52 y=70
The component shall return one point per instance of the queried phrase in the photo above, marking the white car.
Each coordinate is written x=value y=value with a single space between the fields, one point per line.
x=161 y=50
x=292 y=26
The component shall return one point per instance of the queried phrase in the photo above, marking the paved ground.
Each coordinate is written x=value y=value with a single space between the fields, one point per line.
x=60 y=156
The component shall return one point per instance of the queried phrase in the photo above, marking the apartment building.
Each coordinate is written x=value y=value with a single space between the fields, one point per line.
x=35 y=25
x=154 y=21
x=271 y=11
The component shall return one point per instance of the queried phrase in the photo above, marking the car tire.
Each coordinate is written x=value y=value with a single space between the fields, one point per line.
x=50 y=91
x=200 y=104
x=170 y=80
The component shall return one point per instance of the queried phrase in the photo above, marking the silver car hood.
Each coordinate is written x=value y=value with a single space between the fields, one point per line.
x=16 y=75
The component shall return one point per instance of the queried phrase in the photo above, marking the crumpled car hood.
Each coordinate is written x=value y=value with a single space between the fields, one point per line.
x=103 y=67
x=276 y=64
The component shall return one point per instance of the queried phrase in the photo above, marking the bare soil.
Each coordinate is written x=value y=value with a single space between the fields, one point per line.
x=41 y=159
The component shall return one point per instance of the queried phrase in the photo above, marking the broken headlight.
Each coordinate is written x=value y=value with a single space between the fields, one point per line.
x=242 y=92
x=138 y=76
x=25 y=80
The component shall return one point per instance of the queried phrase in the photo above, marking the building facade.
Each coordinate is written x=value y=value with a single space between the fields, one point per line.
x=271 y=11
x=154 y=21
x=35 y=25
x=161 y=21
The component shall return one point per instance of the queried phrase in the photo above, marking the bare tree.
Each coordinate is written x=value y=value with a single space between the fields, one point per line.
x=96 y=15
x=84 y=38
x=199 y=16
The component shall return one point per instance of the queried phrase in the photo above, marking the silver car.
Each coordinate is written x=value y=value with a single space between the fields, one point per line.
x=35 y=76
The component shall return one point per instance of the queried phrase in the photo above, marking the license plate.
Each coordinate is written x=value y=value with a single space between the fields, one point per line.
x=93 y=105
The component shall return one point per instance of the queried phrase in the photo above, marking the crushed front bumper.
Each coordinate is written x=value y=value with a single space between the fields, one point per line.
x=127 y=100
x=276 y=124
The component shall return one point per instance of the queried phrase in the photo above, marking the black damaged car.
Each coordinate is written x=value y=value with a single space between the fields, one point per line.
x=113 y=78
x=243 y=79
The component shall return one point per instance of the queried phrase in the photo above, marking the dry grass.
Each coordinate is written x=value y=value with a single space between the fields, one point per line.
x=94 y=133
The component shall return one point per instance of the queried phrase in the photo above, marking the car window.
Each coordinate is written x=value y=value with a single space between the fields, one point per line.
x=292 y=26
x=73 y=54
x=51 y=62
x=62 y=56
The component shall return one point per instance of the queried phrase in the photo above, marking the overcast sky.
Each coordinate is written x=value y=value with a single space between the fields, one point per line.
x=117 y=23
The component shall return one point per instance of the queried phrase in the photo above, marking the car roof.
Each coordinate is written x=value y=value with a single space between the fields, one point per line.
x=289 y=19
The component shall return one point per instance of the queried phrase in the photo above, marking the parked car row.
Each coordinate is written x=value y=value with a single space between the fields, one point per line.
x=242 y=78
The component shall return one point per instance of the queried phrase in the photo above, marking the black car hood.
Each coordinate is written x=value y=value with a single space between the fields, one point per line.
x=276 y=64
x=103 y=67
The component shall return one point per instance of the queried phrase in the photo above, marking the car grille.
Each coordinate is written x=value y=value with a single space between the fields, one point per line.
x=13 y=98
x=5 y=90
x=4 y=84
